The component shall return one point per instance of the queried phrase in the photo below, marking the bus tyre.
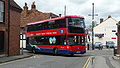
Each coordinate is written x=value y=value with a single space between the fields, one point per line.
x=55 y=51
x=33 y=50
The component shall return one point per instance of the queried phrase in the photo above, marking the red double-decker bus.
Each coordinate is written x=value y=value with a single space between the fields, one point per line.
x=62 y=35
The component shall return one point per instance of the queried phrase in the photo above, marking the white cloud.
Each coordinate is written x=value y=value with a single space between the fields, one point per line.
x=78 y=7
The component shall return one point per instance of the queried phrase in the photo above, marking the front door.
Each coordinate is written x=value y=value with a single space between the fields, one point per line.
x=1 y=41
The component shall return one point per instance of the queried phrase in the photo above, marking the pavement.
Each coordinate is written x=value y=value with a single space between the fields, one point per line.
x=117 y=58
x=4 y=59
x=104 y=59
x=105 y=62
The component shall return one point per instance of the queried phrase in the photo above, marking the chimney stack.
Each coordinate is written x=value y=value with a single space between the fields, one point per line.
x=25 y=7
x=109 y=16
x=101 y=20
x=25 y=10
x=33 y=6
x=60 y=15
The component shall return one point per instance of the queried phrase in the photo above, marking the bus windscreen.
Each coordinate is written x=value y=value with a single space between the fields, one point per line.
x=76 y=25
x=76 y=22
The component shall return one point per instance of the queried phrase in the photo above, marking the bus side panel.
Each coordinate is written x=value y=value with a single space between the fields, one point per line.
x=63 y=49
x=45 y=48
x=49 y=49
x=76 y=49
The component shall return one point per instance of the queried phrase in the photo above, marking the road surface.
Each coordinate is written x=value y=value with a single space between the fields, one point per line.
x=48 y=61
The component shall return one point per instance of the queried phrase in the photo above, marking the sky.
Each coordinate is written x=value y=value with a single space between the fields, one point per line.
x=103 y=8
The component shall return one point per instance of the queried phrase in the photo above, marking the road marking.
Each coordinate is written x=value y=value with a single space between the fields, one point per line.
x=88 y=62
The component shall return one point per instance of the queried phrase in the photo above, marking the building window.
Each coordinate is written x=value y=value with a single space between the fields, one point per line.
x=113 y=30
x=1 y=12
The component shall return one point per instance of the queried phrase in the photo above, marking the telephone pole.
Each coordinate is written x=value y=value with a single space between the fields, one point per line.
x=93 y=15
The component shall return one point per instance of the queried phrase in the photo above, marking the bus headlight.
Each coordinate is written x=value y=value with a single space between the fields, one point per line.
x=68 y=47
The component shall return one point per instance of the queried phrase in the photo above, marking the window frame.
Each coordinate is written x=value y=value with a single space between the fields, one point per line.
x=74 y=20
x=3 y=21
x=78 y=40
x=37 y=40
x=56 y=24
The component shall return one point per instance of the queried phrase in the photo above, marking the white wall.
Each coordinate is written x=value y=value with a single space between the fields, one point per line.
x=23 y=42
x=106 y=28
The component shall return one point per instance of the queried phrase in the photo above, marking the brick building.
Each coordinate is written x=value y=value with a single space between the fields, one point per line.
x=118 y=36
x=32 y=15
x=9 y=27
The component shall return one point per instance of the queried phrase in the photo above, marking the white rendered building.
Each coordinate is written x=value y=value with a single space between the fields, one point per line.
x=106 y=31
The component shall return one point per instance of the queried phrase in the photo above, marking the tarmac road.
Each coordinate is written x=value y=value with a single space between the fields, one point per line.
x=48 y=61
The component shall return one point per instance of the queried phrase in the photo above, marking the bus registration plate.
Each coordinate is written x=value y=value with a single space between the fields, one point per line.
x=78 y=52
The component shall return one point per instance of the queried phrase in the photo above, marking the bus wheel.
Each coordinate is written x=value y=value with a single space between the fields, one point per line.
x=33 y=50
x=55 y=51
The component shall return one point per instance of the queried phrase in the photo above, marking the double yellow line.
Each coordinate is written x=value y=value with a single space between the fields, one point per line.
x=89 y=60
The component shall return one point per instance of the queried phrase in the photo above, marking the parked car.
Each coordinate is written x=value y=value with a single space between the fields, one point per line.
x=98 y=45
x=110 y=44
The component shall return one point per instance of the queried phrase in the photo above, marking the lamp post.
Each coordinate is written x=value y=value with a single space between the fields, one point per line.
x=93 y=14
x=92 y=35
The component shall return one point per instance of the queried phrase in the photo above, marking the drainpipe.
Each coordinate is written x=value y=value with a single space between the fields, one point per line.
x=8 y=27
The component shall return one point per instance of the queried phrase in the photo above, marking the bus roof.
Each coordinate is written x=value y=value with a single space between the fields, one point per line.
x=51 y=19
